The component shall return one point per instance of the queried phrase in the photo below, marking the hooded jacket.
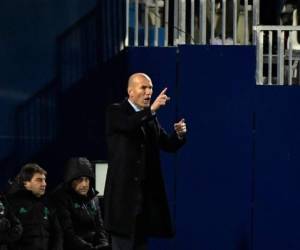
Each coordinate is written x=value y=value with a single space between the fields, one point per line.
x=80 y=215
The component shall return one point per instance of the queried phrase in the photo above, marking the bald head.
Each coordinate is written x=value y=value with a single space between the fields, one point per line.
x=137 y=78
x=140 y=90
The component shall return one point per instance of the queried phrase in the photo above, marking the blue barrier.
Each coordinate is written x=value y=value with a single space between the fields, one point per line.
x=210 y=190
x=214 y=189
x=277 y=205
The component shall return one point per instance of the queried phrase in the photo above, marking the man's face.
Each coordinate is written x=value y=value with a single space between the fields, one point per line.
x=37 y=184
x=140 y=92
x=81 y=185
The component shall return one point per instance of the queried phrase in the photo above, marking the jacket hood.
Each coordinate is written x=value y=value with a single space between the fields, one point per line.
x=18 y=190
x=15 y=187
x=77 y=167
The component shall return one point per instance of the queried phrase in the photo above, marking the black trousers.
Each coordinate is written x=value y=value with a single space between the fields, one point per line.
x=137 y=241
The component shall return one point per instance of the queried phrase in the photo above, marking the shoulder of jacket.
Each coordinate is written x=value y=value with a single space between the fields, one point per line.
x=116 y=105
x=119 y=107
x=62 y=197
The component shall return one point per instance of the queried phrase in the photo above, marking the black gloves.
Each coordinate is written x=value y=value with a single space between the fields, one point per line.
x=4 y=224
x=101 y=247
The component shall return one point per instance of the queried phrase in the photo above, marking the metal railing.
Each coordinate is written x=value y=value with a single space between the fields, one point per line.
x=92 y=40
x=77 y=49
x=36 y=121
x=116 y=24
x=189 y=21
x=278 y=55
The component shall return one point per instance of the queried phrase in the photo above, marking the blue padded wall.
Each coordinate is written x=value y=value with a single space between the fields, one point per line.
x=210 y=188
x=235 y=185
x=277 y=172
x=214 y=187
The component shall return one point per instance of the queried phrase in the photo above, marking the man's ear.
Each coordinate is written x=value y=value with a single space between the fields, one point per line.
x=129 y=91
x=25 y=183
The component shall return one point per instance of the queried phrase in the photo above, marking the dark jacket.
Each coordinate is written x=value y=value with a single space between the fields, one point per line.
x=10 y=226
x=40 y=226
x=80 y=216
x=134 y=143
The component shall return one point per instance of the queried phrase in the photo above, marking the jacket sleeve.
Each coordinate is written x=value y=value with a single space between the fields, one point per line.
x=169 y=143
x=102 y=237
x=14 y=229
x=56 y=237
x=118 y=121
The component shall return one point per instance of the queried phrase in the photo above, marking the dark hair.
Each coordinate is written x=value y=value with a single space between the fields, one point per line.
x=28 y=170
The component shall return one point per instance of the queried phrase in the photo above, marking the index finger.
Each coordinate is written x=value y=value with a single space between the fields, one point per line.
x=180 y=122
x=164 y=91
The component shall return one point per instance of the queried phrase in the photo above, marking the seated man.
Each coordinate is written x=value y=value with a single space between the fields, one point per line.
x=78 y=208
x=10 y=226
x=40 y=226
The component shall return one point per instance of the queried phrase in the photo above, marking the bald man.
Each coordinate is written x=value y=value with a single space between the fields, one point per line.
x=135 y=203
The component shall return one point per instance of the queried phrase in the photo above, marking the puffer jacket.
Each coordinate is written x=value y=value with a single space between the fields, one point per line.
x=41 y=229
x=10 y=226
x=80 y=216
